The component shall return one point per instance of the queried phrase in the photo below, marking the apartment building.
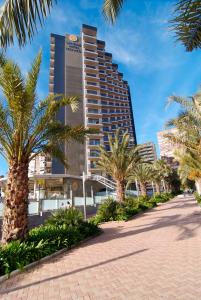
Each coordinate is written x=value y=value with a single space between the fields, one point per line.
x=40 y=164
x=147 y=152
x=167 y=148
x=80 y=65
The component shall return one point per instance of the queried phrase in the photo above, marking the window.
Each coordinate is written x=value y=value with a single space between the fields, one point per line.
x=104 y=111
x=112 y=111
x=90 y=58
x=92 y=110
x=105 y=128
x=92 y=101
x=93 y=165
x=94 y=142
x=93 y=121
x=107 y=147
x=103 y=94
x=105 y=138
x=94 y=153
x=92 y=92
x=102 y=71
x=104 y=102
x=113 y=126
x=105 y=120
x=89 y=50
x=91 y=74
x=90 y=67
x=112 y=118
x=91 y=83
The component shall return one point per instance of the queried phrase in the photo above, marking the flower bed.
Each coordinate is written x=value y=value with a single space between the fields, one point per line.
x=112 y=210
x=63 y=229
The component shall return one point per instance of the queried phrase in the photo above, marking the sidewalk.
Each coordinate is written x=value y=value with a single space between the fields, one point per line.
x=155 y=256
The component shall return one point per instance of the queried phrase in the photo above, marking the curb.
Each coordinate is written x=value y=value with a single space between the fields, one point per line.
x=47 y=258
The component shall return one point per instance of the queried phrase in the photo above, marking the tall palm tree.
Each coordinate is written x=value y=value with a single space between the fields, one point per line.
x=119 y=162
x=142 y=172
x=188 y=136
x=27 y=128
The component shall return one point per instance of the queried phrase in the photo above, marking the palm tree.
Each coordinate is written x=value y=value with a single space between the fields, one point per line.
x=186 y=23
x=27 y=128
x=189 y=168
x=188 y=136
x=161 y=171
x=119 y=162
x=142 y=172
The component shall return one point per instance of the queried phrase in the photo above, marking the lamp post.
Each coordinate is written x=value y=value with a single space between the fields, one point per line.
x=84 y=195
x=136 y=183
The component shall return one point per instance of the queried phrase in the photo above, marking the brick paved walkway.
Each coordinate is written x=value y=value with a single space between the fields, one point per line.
x=155 y=256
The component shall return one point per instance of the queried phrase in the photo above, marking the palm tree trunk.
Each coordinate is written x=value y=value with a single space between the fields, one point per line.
x=143 y=189
x=15 y=219
x=157 y=188
x=120 y=190
x=198 y=185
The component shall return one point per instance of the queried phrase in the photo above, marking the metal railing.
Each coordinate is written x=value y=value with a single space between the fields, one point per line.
x=105 y=181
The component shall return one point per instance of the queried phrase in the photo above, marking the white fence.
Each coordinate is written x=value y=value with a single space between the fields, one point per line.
x=52 y=204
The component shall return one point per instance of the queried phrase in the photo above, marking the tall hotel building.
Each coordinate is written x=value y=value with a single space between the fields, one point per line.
x=80 y=65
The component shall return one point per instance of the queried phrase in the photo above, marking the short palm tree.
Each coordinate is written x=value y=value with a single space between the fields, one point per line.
x=27 y=128
x=160 y=173
x=142 y=173
x=119 y=162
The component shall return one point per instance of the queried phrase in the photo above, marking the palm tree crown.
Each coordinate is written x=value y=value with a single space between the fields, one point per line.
x=119 y=162
x=143 y=174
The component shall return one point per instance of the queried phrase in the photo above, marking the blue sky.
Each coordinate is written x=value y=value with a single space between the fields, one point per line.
x=143 y=46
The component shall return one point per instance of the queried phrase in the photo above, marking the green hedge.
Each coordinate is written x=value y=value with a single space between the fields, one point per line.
x=63 y=229
x=112 y=210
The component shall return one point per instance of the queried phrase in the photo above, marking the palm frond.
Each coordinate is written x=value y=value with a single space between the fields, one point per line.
x=187 y=23
x=19 y=18
x=32 y=78
x=111 y=9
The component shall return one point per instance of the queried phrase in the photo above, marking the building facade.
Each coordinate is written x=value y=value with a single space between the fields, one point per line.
x=167 y=148
x=40 y=164
x=147 y=152
x=80 y=66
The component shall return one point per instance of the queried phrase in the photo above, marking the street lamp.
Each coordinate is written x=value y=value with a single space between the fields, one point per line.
x=84 y=194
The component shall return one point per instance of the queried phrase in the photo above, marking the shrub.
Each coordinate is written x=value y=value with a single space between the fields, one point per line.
x=65 y=216
x=46 y=239
x=112 y=210
x=198 y=198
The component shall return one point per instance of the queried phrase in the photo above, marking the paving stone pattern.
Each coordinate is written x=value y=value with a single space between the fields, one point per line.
x=155 y=256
